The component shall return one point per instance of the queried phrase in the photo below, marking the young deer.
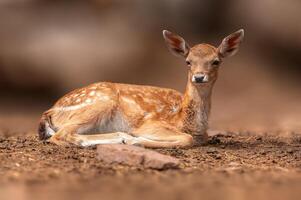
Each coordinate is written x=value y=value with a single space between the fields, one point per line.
x=105 y=113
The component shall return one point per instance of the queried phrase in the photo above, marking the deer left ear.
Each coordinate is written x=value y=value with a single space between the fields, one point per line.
x=230 y=44
x=176 y=44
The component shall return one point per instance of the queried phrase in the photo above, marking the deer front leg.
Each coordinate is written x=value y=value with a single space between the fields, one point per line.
x=106 y=138
x=70 y=135
x=160 y=135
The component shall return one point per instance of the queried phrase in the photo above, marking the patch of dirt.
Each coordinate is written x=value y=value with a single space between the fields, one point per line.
x=231 y=166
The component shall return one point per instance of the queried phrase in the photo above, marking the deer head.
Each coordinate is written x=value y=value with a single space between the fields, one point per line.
x=203 y=60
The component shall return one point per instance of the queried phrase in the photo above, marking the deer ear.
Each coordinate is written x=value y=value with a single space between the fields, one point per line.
x=231 y=43
x=176 y=44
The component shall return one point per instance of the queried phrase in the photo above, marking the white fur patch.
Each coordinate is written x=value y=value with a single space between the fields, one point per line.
x=92 y=93
x=49 y=131
x=205 y=79
x=88 y=101
x=107 y=141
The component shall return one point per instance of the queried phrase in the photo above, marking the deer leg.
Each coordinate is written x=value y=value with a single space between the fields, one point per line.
x=70 y=135
x=106 y=138
x=159 y=135
x=159 y=141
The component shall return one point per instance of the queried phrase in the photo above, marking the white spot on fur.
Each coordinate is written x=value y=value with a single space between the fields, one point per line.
x=88 y=100
x=92 y=93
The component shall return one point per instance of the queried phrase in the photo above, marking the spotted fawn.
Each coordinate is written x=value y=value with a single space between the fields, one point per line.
x=107 y=113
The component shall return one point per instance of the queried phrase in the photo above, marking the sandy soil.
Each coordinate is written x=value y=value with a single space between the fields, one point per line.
x=231 y=166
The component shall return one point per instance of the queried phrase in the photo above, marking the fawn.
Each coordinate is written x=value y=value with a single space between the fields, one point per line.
x=107 y=113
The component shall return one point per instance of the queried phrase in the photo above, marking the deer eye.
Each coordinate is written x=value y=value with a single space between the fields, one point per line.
x=215 y=62
x=188 y=63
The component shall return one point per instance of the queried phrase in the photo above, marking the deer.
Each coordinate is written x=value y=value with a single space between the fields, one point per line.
x=153 y=117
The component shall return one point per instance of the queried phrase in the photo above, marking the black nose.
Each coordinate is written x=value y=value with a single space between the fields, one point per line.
x=199 y=79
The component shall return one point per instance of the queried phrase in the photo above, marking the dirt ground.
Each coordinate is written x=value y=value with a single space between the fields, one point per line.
x=243 y=165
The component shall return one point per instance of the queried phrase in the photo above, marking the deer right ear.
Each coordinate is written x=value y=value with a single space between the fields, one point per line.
x=176 y=44
x=230 y=44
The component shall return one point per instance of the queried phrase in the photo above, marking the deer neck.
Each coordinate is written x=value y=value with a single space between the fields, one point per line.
x=195 y=108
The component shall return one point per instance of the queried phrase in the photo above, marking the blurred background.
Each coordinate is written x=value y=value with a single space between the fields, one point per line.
x=49 y=47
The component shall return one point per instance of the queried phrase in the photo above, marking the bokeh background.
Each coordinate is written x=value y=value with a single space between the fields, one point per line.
x=49 y=47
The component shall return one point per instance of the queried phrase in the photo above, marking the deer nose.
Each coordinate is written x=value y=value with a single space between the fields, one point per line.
x=199 y=78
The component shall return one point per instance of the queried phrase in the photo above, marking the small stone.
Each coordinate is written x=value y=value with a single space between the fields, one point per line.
x=214 y=140
x=290 y=151
x=263 y=152
x=212 y=151
x=135 y=156
x=259 y=138
x=232 y=167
